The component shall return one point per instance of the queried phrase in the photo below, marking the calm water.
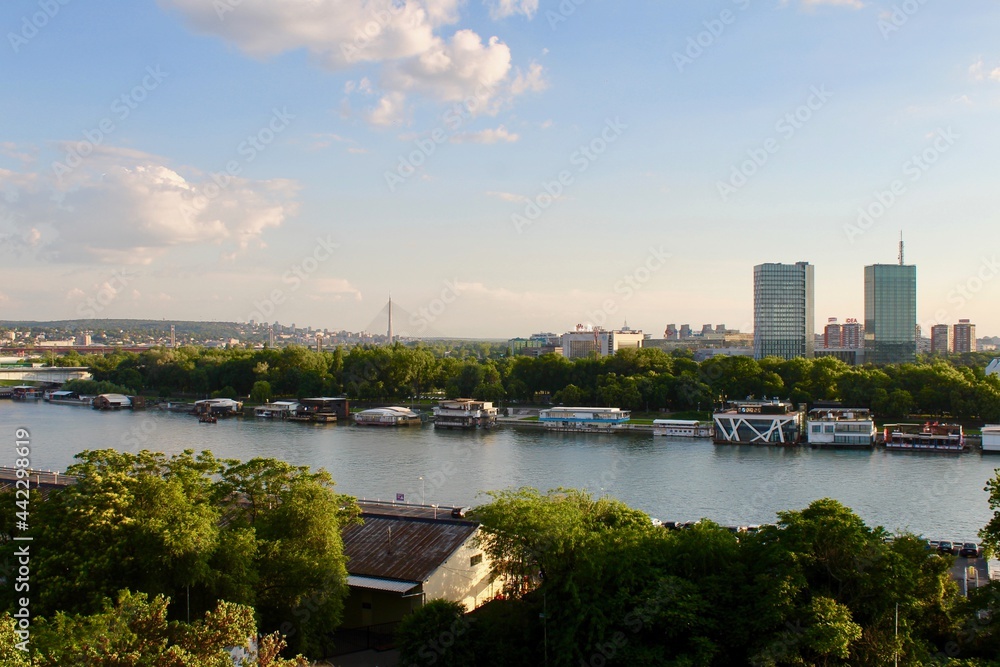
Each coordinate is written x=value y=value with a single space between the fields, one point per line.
x=938 y=495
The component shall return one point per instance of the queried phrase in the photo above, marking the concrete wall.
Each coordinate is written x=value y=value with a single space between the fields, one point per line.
x=458 y=581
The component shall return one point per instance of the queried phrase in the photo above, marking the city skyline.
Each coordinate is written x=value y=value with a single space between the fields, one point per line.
x=501 y=167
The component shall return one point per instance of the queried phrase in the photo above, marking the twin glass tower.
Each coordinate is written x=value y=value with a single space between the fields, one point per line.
x=784 y=311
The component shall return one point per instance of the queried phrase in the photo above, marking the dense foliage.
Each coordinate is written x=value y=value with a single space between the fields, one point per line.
x=196 y=530
x=134 y=632
x=593 y=582
x=644 y=379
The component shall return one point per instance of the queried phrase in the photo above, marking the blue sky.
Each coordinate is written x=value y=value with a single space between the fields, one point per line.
x=500 y=167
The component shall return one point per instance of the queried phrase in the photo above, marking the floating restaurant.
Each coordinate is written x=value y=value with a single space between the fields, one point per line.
x=682 y=428
x=585 y=419
x=465 y=413
x=931 y=436
x=841 y=428
x=758 y=422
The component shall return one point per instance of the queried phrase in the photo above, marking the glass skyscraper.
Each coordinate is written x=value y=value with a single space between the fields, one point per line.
x=890 y=313
x=784 y=311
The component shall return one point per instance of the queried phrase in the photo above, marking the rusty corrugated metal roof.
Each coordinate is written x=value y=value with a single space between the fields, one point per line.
x=417 y=547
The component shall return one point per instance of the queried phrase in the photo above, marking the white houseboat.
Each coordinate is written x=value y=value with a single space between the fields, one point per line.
x=841 y=428
x=682 y=428
x=584 y=419
x=465 y=413
x=929 y=437
x=391 y=416
x=276 y=410
x=758 y=422
x=991 y=438
x=112 y=402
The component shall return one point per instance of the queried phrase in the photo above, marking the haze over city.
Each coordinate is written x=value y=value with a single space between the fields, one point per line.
x=509 y=166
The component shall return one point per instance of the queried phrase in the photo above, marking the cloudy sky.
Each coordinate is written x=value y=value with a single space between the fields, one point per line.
x=501 y=167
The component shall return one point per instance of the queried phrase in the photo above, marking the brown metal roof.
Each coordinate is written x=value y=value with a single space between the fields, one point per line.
x=417 y=546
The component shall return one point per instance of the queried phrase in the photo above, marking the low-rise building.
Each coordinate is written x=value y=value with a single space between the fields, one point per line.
x=841 y=428
x=583 y=341
x=403 y=556
x=758 y=422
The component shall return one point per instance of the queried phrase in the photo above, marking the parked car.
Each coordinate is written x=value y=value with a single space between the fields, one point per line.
x=969 y=550
x=932 y=545
x=945 y=547
x=460 y=512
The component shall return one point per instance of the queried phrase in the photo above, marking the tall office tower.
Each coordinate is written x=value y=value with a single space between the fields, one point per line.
x=833 y=334
x=965 y=336
x=891 y=312
x=783 y=310
x=940 y=339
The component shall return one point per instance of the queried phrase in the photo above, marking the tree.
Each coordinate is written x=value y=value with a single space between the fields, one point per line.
x=436 y=634
x=261 y=392
x=137 y=521
x=134 y=632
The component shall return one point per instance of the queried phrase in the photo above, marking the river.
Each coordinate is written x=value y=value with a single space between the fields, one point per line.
x=938 y=495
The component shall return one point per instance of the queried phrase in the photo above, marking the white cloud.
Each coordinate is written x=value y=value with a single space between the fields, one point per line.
x=401 y=38
x=500 y=9
x=978 y=72
x=508 y=196
x=390 y=110
x=334 y=289
x=126 y=207
x=530 y=81
x=488 y=136
x=450 y=71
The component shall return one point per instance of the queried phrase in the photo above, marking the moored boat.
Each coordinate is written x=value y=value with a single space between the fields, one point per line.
x=390 y=416
x=929 y=437
x=465 y=413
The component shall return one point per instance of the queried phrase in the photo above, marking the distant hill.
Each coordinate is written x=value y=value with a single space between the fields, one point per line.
x=153 y=328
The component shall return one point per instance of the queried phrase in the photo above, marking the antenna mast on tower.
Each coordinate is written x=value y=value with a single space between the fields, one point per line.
x=900 y=248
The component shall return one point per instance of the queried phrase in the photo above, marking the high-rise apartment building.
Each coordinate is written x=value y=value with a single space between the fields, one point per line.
x=891 y=313
x=940 y=339
x=851 y=334
x=965 y=337
x=832 y=334
x=783 y=310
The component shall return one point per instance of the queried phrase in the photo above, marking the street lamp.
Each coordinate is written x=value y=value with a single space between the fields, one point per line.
x=421 y=489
